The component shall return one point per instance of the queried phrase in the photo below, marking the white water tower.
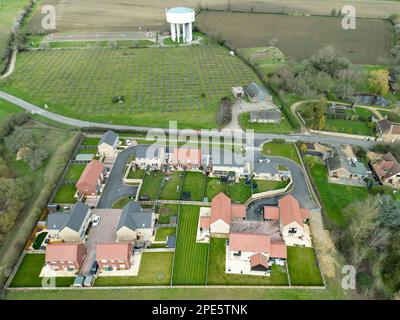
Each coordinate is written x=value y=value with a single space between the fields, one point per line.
x=181 y=19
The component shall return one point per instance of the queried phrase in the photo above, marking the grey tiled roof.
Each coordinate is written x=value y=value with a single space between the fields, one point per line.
x=255 y=90
x=268 y=114
x=109 y=138
x=339 y=160
x=134 y=217
x=57 y=220
x=145 y=151
x=77 y=216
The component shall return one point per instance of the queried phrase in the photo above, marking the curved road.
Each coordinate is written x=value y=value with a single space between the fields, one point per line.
x=259 y=137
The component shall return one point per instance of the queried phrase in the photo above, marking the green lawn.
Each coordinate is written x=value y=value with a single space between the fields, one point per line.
x=349 y=126
x=286 y=150
x=6 y=109
x=90 y=141
x=194 y=183
x=151 y=184
x=65 y=194
x=171 y=187
x=166 y=211
x=163 y=233
x=283 y=127
x=100 y=44
x=39 y=240
x=29 y=270
x=335 y=197
x=303 y=267
x=198 y=77
x=74 y=172
x=88 y=151
x=137 y=174
x=267 y=59
x=120 y=203
x=190 y=264
x=155 y=269
x=390 y=115
x=267 y=185
x=217 y=276
x=239 y=192
x=213 y=187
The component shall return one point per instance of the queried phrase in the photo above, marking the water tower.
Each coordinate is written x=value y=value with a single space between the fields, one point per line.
x=181 y=19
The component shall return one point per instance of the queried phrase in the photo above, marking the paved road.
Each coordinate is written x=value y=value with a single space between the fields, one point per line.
x=300 y=188
x=115 y=188
x=259 y=137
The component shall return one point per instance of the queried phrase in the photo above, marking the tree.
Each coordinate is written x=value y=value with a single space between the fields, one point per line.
x=379 y=81
x=360 y=152
x=389 y=214
x=224 y=114
x=303 y=148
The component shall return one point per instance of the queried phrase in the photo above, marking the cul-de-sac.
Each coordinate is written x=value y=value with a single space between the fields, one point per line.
x=185 y=149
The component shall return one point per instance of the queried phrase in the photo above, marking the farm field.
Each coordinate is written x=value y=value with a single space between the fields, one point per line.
x=299 y=37
x=183 y=84
x=217 y=276
x=190 y=264
x=155 y=269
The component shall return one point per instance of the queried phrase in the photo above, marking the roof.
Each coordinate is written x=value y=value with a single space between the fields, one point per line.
x=185 y=155
x=110 y=137
x=180 y=10
x=134 y=217
x=204 y=222
x=62 y=251
x=278 y=250
x=255 y=90
x=265 y=168
x=113 y=251
x=289 y=210
x=249 y=242
x=91 y=173
x=84 y=156
x=224 y=158
x=258 y=259
x=221 y=208
x=387 y=167
x=77 y=216
x=238 y=211
x=268 y=114
x=171 y=240
x=339 y=160
x=149 y=152
x=57 y=220
x=271 y=213
x=383 y=125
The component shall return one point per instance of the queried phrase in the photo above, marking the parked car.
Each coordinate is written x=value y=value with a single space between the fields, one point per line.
x=144 y=198
x=261 y=160
x=95 y=220
x=94 y=268
x=128 y=142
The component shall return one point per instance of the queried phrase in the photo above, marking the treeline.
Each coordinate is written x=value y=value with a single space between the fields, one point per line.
x=395 y=65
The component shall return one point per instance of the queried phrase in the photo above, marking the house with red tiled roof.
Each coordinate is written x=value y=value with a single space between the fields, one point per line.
x=253 y=247
x=387 y=170
x=388 y=130
x=114 y=256
x=216 y=221
x=65 y=256
x=184 y=158
x=292 y=220
x=91 y=178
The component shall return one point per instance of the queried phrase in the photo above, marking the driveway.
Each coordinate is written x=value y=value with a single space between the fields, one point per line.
x=300 y=188
x=115 y=188
x=104 y=232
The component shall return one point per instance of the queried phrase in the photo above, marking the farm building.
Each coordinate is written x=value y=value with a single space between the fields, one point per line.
x=90 y=181
x=135 y=224
x=266 y=116
x=238 y=92
x=387 y=170
x=108 y=143
x=65 y=256
x=257 y=93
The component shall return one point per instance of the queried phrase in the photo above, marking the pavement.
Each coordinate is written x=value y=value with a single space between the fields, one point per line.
x=115 y=188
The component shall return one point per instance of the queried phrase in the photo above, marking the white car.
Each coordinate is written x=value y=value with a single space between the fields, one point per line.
x=261 y=160
x=95 y=220
x=128 y=142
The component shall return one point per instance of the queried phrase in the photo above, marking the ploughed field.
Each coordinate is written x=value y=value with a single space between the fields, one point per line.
x=183 y=84
x=300 y=37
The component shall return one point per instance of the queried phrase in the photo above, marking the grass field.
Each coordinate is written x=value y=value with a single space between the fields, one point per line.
x=7 y=109
x=240 y=30
x=303 y=267
x=171 y=188
x=286 y=150
x=349 y=126
x=120 y=203
x=190 y=264
x=74 y=172
x=65 y=194
x=267 y=59
x=213 y=187
x=151 y=184
x=239 y=192
x=155 y=269
x=90 y=141
x=194 y=183
x=217 y=276
x=335 y=197
x=137 y=174
x=163 y=233
x=267 y=185
x=28 y=273
x=183 y=84
x=167 y=211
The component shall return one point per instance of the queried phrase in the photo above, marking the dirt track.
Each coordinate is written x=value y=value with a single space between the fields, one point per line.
x=129 y=15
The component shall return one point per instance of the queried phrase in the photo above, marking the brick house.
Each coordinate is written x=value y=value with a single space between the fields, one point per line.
x=114 y=256
x=65 y=256
x=387 y=170
x=185 y=159
x=90 y=181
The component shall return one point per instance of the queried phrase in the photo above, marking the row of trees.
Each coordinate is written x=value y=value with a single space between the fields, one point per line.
x=224 y=113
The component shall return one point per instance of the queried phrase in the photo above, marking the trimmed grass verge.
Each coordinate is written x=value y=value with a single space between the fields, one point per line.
x=303 y=267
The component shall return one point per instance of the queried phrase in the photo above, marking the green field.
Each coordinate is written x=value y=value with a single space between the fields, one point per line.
x=213 y=187
x=183 y=84
x=267 y=185
x=137 y=174
x=267 y=59
x=283 y=127
x=194 y=183
x=65 y=194
x=335 y=197
x=190 y=262
x=163 y=233
x=90 y=141
x=151 y=184
x=303 y=267
x=348 y=126
x=120 y=203
x=7 y=108
x=166 y=211
x=29 y=270
x=171 y=188
x=239 y=192
x=155 y=269
x=286 y=150
x=217 y=276
x=74 y=172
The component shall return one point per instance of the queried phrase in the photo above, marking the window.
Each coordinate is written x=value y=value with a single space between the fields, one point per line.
x=237 y=254
x=292 y=230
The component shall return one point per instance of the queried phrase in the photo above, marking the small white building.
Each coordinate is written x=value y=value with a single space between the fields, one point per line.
x=238 y=92
x=181 y=19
